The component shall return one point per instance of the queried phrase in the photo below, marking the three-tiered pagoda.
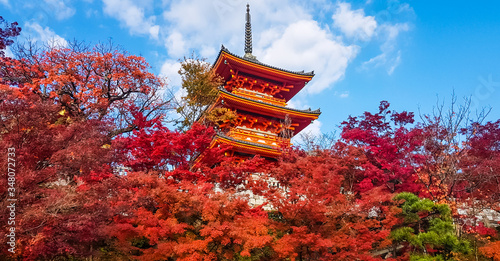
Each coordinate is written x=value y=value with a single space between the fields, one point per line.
x=258 y=94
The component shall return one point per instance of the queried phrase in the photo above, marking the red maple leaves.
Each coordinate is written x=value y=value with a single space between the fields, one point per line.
x=100 y=175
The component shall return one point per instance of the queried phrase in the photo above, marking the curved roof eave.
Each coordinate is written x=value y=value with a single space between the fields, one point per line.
x=315 y=112
x=224 y=49
x=248 y=147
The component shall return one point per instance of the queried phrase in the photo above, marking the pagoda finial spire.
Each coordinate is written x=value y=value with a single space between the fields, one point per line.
x=248 y=35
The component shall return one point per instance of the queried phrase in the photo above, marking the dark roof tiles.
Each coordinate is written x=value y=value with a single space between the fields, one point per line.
x=224 y=49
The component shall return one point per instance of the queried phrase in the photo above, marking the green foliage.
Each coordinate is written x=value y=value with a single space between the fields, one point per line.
x=200 y=84
x=426 y=258
x=428 y=229
x=403 y=234
x=275 y=216
x=141 y=242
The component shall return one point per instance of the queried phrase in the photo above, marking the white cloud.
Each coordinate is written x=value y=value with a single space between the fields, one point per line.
x=297 y=104
x=91 y=13
x=132 y=16
x=5 y=2
x=269 y=36
x=388 y=33
x=313 y=130
x=344 y=95
x=285 y=35
x=304 y=45
x=403 y=8
x=154 y=31
x=386 y=60
x=205 y=25
x=8 y=52
x=394 y=63
x=375 y=62
x=175 y=44
x=208 y=51
x=170 y=69
x=390 y=57
x=354 y=23
x=393 y=31
x=44 y=35
x=59 y=8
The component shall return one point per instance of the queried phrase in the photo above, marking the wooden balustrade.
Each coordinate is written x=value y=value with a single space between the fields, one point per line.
x=257 y=137
x=259 y=97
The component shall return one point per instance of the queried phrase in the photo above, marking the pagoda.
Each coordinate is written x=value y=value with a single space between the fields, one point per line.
x=258 y=94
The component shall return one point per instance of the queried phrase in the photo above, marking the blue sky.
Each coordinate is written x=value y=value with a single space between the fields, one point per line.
x=406 y=52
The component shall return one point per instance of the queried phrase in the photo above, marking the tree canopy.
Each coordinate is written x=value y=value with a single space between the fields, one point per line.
x=99 y=176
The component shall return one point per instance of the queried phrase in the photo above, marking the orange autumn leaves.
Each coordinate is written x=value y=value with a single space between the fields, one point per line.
x=89 y=192
x=90 y=84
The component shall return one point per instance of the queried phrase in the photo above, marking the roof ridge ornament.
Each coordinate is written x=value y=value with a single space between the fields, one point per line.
x=248 y=36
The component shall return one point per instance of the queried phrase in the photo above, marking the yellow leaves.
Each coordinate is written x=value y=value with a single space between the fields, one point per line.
x=27 y=130
x=61 y=120
x=222 y=115
x=199 y=81
x=106 y=146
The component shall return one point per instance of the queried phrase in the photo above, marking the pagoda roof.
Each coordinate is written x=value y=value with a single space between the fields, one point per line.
x=247 y=146
x=226 y=61
x=224 y=49
x=301 y=117
x=308 y=111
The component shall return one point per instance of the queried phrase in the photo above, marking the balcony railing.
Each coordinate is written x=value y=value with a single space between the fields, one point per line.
x=260 y=97
x=258 y=137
